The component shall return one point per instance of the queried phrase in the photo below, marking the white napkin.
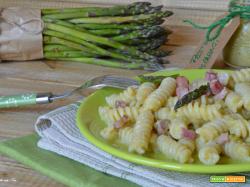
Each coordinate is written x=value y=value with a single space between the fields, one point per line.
x=59 y=134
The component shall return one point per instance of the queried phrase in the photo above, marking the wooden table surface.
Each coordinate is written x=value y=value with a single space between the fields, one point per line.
x=45 y=76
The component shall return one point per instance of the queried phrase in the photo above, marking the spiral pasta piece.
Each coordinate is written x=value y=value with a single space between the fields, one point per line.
x=125 y=135
x=237 y=150
x=142 y=132
x=199 y=142
x=245 y=114
x=158 y=97
x=171 y=101
x=202 y=113
x=176 y=126
x=244 y=90
x=211 y=130
x=242 y=75
x=233 y=101
x=143 y=92
x=109 y=133
x=205 y=100
x=127 y=96
x=235 y=138
x=248 y=140
x=173 y=149
x=104 y=115
x=187 y=142
x=111 y=115
x=152 y=142
x=239 y=126
x=210 y=154
x=165 y=113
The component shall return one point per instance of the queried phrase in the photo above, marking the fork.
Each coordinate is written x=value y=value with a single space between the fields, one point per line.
x=44 y=98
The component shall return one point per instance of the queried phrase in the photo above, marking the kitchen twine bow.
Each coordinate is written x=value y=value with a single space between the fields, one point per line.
x=214 y=30
x=22 y=25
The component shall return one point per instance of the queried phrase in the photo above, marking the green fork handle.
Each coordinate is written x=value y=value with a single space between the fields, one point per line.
x=24 y=99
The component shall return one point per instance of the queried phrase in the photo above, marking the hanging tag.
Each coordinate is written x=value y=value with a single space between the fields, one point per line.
x=207 y=51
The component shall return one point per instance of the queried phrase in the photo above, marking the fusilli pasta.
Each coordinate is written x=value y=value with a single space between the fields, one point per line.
x=165 y=113
x=174 y=150
x=233 y=101
x=171 y=101
x=125 y=135
x=143 y=92
x=197 y=112
x=111 y=115
x=158 y=97
x=109 y=133
x=242 y=75
x=210 y=154
x=127 y=95
x=239 y=126
x=189 y=143
x=176 y=128
x=142 y=132
x=237 y=150
x=211 y=130
x=244 y=90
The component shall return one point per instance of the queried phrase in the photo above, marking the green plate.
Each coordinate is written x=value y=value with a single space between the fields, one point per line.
x=90 y=125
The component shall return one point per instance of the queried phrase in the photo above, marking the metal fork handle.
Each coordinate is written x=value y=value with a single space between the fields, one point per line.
x=24 y=99
x=37 y=98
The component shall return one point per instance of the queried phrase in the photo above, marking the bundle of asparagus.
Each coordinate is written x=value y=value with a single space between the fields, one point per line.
x=125 y=36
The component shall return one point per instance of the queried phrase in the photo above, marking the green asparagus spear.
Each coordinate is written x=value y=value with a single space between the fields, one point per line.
x=128 y=26
x=115 y=10
x=139 y=41
x=67 y=54
x=64 y=23
x=55 y=40
x=74 y=39
x=101 y=40
x=136 y=41
x=140 y=31
x=155 y=43
x=132 y=9
x=159 y=53
x=189 y=97
x=91 y=47
x=154 y=79
x=107 y=32
x=56 y=47
x=145 y=33
x=146 y=45
x=137 y=18
x=104 y=62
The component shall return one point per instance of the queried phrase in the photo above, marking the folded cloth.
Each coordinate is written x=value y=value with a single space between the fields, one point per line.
x=59 y=134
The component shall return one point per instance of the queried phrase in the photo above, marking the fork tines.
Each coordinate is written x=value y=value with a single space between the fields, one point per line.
x=119 y=81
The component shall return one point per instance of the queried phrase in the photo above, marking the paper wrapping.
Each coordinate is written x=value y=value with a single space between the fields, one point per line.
x=21 y=34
